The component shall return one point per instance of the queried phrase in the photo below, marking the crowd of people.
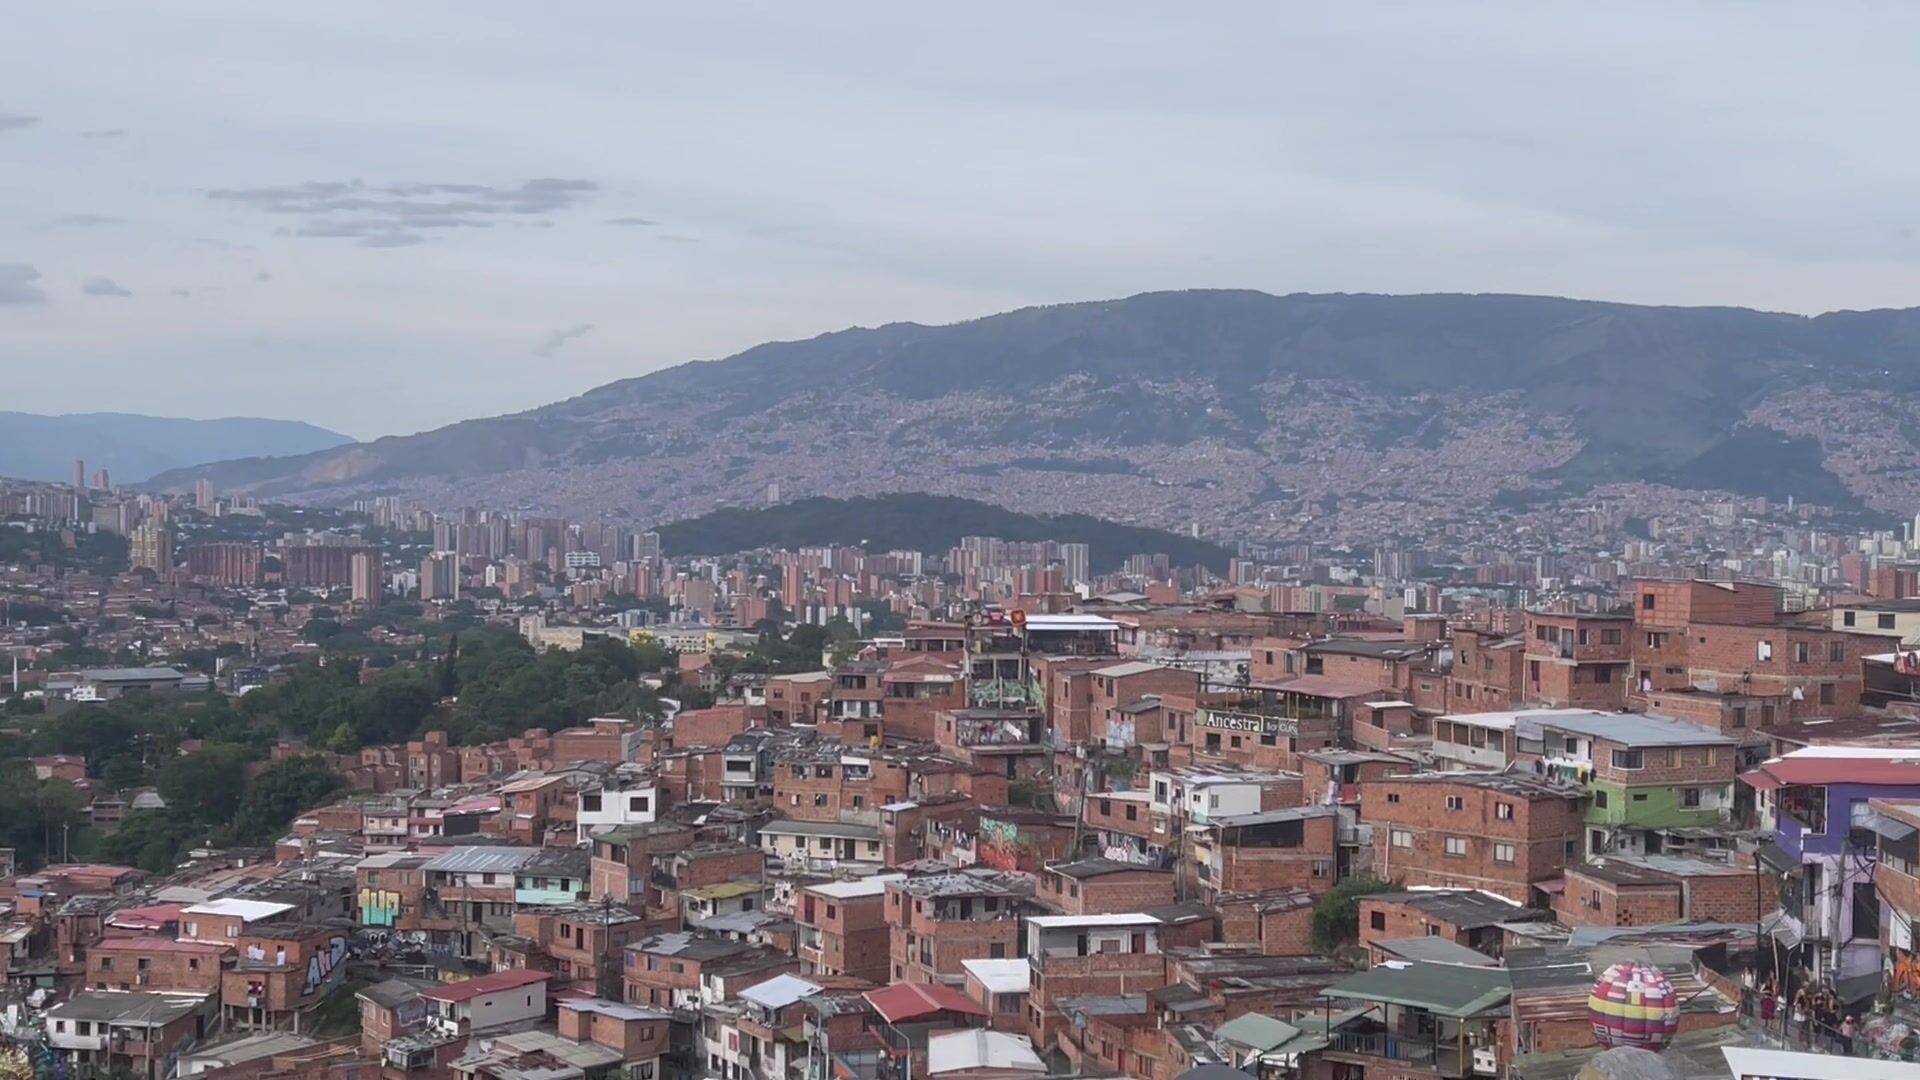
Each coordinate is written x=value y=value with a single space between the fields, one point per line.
x=1810 y=1016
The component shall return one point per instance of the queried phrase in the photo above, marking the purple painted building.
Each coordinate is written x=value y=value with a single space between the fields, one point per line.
x=1815 y=799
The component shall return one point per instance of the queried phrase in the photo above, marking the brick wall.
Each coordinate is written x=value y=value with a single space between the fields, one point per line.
x=1388 y=920
x=1590 y=901
x=1263 y=869
x=1538 y=829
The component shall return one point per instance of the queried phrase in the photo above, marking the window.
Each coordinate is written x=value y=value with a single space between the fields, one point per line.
x=1802 y=652
x=1456 y=846
x=832 y=911
x=1627 y=759
x=1763 y=651
x=1602 y=673
x=1402 y=838
x=1690 y=798
x=1503 y=811
x=1826 y=693
x=1846 y=618
x=1320 y=868
x=1503 y=853
x=1656 y=641
x=1213 y=802
x=1739 y=716
x=486 y=879
x=1609 y=637
x=1866 y=910
x=1393 y=796
x=1455 y=802
x=1836 y=652
x=106 y=963
x=1377 y=920
x=1646 y=601
x=639 y=804
x=820 y=799
x=859 y=802
x=1600 y=798
x=1883 y=621
x=588 y=803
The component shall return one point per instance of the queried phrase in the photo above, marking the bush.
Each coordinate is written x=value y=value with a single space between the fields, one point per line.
x=1336 y=915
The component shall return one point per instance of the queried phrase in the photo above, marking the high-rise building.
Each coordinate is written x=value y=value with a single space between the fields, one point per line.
x=648 y=546
x=151 y=546
x=102 y=481
x=1077 y=559
x=322 y=566
x=204 y=495
x=440 y=576
x=367 y=583
x=79 y=475
x=227 y=564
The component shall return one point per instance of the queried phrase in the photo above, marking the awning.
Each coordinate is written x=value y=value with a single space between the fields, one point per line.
x=1761 y=780
x=1775 y=858
x=1552 y=888
x=1886 y=827
x=1785 y=929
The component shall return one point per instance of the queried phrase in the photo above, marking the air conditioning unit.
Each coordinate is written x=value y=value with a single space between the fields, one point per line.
x=1486 y=1061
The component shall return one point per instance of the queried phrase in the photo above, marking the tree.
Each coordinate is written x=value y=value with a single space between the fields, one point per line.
x=122 y=771
x=34 y=813
x=280 y=793
x=1336 y=915
x=206 y=787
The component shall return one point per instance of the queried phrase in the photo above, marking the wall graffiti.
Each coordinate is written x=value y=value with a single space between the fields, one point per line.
x=1004 y=847
x=325 y=963
x=379 y=907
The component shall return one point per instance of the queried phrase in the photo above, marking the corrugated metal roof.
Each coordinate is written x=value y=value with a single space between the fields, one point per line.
x=482 y=860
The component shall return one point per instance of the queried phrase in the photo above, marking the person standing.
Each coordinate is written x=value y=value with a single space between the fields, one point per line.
x=1800 y=1016
x=1848 y=1029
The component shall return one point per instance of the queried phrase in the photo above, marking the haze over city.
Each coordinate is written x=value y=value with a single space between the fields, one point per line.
x=382 y=219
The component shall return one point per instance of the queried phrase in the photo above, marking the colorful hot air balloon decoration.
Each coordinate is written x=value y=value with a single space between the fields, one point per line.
x=1634 y=1005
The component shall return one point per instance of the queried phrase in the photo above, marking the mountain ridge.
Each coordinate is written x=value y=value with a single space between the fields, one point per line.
x=1224 y=407
x=133 y=447
x=929 y=524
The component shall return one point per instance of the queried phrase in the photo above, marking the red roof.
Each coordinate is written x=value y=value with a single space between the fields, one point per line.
x=153 y=916
x=1871 y=772
x=486 y=984
x=909 y=1001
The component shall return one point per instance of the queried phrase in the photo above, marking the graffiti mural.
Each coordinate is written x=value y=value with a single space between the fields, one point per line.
x=379 y=907
x=325 y=964
x=1004 y=847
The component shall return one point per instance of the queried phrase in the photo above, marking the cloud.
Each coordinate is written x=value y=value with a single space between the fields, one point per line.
x=103 y=133
x=558 y=338
x=263 y=276
x=10 y=121
x=85 y=221
x=636 y=222
x=182 y=293
x=103 y=286
x=402 y=214
x=17 y=288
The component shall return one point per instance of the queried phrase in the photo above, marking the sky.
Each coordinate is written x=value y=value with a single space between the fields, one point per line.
x=385 y=217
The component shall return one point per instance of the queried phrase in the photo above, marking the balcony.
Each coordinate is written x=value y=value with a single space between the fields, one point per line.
x=1418 y=1051
x=999 y=693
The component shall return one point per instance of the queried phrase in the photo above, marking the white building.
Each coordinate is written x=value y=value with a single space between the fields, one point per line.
x=488 y=1002
x=613 y=804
